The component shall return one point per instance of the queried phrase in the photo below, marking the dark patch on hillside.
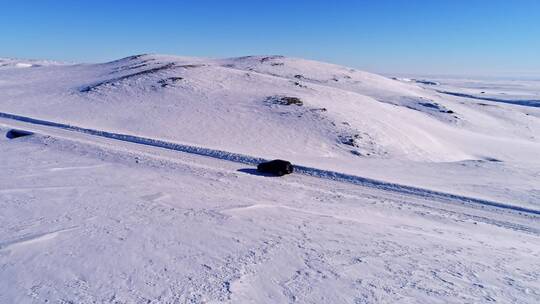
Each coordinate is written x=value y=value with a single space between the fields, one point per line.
x=115 y=81
x=268 y=58
x=142 y=64
x=300 y=85
x=135 y=57
x=349 y=139
x=169 y=81
x=284 y=100
x=426 y=106
x=130 y=58
x=360 y=143
x=435 y=106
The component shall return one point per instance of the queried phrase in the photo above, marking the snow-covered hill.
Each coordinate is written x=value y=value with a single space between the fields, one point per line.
x=312 y=113
x=240 y=104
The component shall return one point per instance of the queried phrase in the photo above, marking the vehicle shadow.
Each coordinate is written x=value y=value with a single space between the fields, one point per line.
x=253 y=171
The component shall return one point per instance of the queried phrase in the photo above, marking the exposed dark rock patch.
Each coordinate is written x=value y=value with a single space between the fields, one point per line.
x=429 y=105
x=362 y=143
x=268 y=58
x=349 y=139
x=284 y=100
x=130 y=58
x=436 y=106
x=135 y=57
x=298 y=84
x=139 y=65
x=169 y=81
x=115 y=81
x=424 y=105
x=312 y=80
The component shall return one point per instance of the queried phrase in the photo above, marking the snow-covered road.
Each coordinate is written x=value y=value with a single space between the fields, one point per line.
x=87 y=219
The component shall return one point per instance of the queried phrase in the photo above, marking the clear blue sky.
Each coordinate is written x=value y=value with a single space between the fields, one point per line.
x=481 y=37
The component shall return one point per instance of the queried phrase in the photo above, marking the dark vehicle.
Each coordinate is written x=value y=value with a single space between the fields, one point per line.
x=13 y=133
x=277 y=167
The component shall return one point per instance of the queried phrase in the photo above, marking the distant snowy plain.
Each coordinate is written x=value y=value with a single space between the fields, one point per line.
x=91 y=219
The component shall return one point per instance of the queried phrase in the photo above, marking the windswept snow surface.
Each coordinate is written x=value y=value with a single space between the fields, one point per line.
x=91 y=219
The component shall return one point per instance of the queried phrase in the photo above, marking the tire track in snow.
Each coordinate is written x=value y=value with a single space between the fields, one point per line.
x=309 y=171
